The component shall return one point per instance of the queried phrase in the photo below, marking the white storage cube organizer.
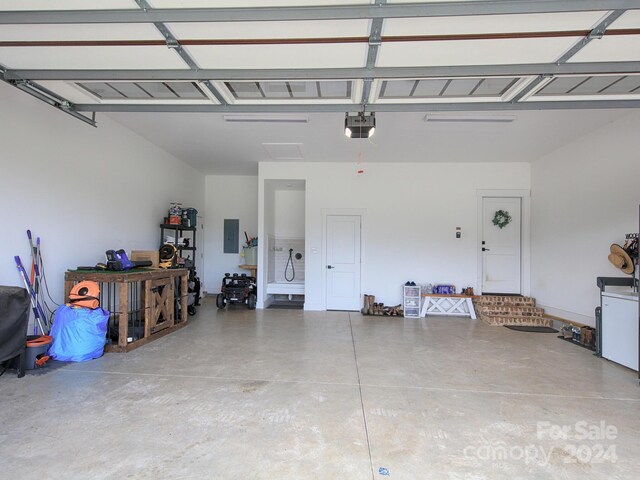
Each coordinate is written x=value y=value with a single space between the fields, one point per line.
x=411 y=303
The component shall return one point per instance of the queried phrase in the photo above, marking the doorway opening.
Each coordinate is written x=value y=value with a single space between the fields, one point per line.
x=342 y=254
x=503 y=253
x=284 y=216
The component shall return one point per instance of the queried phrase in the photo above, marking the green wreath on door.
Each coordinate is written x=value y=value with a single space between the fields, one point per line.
x=501 y=219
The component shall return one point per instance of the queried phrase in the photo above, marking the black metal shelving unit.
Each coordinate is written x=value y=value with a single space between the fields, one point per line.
x=193 y=281
x=178 y=230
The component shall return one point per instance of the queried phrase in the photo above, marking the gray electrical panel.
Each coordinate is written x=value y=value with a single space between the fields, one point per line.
x=231 y=235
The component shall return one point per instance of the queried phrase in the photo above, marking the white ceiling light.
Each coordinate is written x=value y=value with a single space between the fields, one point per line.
x=469 y=118
x=264 y=118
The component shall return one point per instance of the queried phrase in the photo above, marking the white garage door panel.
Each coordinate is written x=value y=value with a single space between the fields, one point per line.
x=610 y=49
x=112 y=31
x=66 y=4
x=469 y=52
x=536 y=22
x=247 y=30
x=91 y=58
x=279 y=56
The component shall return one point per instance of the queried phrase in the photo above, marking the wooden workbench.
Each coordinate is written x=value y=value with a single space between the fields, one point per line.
x=156 y=300
x=252 y=268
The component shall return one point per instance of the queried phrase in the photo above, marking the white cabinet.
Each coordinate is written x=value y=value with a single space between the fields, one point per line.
x=411 y=303
x=620 y=328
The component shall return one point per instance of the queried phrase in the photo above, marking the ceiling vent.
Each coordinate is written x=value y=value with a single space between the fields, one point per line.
x=284 y=151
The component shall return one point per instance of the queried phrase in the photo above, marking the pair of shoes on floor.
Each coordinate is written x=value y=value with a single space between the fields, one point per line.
x=378 y=309
x=369 y=300
x=410 y=284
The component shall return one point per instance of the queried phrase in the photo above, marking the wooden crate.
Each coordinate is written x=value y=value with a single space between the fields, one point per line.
x=141 y=255
x=143 y=297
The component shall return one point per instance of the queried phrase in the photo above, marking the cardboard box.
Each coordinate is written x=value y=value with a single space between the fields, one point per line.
x=152 y=255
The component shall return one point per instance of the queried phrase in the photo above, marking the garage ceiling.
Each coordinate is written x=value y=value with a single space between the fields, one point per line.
x=321 y=56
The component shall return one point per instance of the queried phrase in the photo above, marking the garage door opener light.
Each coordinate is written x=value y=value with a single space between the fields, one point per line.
x=362 y=125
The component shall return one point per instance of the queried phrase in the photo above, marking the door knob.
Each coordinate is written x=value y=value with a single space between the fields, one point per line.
x=330 y=267
x=485 y=249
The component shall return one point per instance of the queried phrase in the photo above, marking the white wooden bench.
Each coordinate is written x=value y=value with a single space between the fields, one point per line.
x=453 y=305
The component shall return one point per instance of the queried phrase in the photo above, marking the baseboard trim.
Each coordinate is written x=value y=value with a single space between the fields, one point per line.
x=567 y=317
x=313 y=307
x=266 y=303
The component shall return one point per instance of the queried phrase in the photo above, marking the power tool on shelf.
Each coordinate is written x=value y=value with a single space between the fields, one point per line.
x=117 y=261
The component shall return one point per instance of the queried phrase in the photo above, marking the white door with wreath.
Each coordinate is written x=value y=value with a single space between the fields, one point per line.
x=501 y=246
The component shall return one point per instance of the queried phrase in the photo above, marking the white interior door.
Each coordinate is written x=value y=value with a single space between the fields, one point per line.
x=343 y=262
x=501 y=247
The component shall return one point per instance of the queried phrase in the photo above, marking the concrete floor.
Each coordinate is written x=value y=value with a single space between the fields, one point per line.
x=326 y=395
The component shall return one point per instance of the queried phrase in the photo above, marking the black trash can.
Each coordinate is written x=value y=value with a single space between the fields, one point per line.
x=14 y=321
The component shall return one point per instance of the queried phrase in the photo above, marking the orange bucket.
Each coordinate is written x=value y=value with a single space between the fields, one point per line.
x=37 y=348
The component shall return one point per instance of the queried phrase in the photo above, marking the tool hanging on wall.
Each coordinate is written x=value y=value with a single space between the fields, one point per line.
x=34 y=255
x=40 y=318
x=37 y=285
x=35 y=270
x=38 y=282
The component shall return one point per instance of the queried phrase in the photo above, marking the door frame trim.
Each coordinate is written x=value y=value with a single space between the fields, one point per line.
x=525 y=235
x=326 y=212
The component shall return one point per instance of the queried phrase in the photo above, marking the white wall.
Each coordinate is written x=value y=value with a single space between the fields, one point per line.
x=83 y=190
x=412 y=211
x=289 y=233
x=228 y=196
x=269 y=220
x=584 y=197
x=289 y=213
x=280 y=262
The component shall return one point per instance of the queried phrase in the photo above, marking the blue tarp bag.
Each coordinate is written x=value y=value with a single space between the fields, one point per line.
x=79 y=334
